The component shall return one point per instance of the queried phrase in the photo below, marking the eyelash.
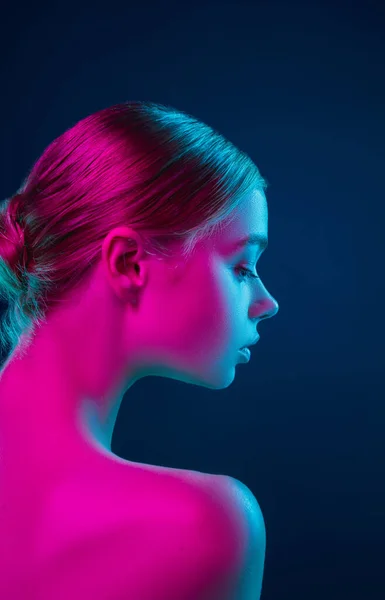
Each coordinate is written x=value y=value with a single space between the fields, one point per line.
x=249 y=274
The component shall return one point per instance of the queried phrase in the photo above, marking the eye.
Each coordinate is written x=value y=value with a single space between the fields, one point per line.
x=244 y=273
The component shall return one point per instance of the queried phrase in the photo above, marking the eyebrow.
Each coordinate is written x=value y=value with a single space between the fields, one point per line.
x=254 y=239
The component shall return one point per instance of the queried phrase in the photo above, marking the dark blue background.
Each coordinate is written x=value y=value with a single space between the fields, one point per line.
x=300 y=87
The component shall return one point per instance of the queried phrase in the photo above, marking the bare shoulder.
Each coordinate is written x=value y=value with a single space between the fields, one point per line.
x=181 y=536
x=246 y=502
x=235 y=537
x=248 y=578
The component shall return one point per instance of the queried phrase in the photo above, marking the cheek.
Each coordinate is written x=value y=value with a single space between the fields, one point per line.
x=202 y=316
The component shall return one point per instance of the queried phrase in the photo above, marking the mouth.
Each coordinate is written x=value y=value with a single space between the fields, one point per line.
x=245 y=352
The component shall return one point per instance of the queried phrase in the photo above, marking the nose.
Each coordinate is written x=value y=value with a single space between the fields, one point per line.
x=265 y=308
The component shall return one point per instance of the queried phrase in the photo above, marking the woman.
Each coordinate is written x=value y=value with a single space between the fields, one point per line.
x=129 y=251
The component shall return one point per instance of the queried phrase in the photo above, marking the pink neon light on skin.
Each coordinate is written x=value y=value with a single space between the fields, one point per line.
x=140 y=316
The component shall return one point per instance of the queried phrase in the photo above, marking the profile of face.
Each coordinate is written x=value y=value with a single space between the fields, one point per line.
x=191 y=318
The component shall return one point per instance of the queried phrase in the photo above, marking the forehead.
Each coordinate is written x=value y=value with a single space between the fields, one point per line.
x=250 y=219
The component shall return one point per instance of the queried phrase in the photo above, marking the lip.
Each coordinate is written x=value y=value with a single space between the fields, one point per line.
x=245 y=353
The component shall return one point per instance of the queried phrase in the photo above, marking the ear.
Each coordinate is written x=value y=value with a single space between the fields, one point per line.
x=123 y=261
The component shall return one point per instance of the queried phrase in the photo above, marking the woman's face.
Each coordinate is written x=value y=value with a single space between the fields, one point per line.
x=193 y=317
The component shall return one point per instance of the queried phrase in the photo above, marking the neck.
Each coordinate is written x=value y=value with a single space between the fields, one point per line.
x=42 y=409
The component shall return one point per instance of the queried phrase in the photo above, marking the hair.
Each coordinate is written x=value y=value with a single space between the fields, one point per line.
x=168 y=175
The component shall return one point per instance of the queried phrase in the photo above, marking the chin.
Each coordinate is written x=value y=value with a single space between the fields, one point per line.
x=217 y=376
x=218 y=379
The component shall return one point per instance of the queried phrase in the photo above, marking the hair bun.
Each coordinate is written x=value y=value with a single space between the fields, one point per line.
x=14 y=206
x=14 y=250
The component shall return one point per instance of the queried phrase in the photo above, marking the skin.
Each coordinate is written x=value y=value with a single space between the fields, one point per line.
x=138 y=316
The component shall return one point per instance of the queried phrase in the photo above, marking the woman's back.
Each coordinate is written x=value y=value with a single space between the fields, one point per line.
x=107 y=529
